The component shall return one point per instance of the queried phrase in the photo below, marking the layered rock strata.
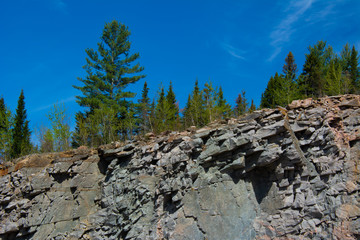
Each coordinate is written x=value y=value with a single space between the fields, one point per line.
x=274 y=174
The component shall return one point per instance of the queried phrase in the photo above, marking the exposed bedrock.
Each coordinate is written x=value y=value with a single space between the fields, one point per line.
x=274 y=174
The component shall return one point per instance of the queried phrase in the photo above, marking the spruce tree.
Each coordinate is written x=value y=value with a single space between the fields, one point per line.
x=223 y=108
x=5 y=130
x=161 y=112
x=335 y=83
x=80 y=135
x=345 y=57
x=290 y=67
x=252 y=106
x=197 y=109
x=276 y=92
x=187 y=116
x=241 y=106
x=209 y=101
x=20 y=141
x=354 y=70
x=110 y=70
x=315 y=69
x=173 y=110
x=267 y=97
x=144 y=110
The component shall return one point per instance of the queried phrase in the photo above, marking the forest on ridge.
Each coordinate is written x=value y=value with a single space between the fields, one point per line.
x=111 y=114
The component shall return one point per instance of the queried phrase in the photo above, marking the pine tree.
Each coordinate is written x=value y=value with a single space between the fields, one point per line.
x=276 y=92
x=173 y=110
x=315 y=69
x=144 y=110
x=187 y=115
x=209 y=101
x=345 y=57
x=241 y=106
x=223 y=108
x=20 y=141
x=252 y=106
x=152 y=117
x=290 y=67
x=267 y=98
x=5 y=131
x=161 y=111
x=197 y=107
x=333 y=83
x=354 y=70
x=109 y=71
x=80 y=135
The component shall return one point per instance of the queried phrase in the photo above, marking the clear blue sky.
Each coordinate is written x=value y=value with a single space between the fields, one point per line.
x=236 y=44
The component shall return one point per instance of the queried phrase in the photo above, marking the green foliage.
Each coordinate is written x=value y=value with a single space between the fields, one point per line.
x=110 y=70
x=5 y=131
x=173 y=110
x=223 y=109
x=80 y=135
x=161 y=112
x=46 y=139
x=144 y=110
x=290 y=67
x=354 y=70
x=101 y=126
x=194 y=112
x=210 y=95
x=336 y=83
x=280 y=91
x=268 y=96
x=166 y=115
x=241 y=106
x=315 y=69
x=324 y=73
x=60 y=129
x=20 y=138
x=252 y=106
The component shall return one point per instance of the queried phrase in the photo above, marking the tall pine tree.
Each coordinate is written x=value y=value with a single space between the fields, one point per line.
x=110 y=70
x=20 y=141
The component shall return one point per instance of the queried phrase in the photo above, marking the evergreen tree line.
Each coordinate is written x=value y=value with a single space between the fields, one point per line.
x=158 y=115
x=110 y=113
x=14 y=131
x=15 y=134
x=324 y=73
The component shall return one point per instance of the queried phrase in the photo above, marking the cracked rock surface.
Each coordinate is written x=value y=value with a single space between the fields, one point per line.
x=289 y=173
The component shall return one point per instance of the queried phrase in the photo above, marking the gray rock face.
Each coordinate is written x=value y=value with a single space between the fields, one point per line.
x=275 y=174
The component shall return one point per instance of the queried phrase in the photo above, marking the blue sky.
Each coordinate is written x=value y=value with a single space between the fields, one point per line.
x=235 y=44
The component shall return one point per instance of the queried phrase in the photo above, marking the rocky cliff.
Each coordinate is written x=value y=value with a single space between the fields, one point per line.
x=274 y=174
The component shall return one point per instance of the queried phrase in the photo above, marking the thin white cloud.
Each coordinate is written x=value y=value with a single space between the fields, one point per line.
x=63 y=101
x=275 y=53
x=283 y=31
x=233 y=51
